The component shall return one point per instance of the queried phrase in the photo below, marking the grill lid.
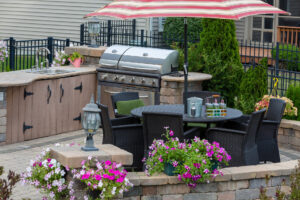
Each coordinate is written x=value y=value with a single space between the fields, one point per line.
x=140 y=59
x=112 y=55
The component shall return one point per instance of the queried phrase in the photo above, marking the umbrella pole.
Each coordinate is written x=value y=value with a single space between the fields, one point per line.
x=185 y=66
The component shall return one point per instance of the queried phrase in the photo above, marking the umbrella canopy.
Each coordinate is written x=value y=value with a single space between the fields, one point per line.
x=221 y=9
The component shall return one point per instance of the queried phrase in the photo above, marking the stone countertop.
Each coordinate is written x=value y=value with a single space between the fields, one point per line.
x=72 y=156
x=22 y=77
x=192 y=77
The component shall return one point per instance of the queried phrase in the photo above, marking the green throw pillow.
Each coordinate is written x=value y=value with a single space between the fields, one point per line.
x=124 y=107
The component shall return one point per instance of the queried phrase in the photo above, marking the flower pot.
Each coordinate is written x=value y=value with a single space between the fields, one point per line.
x=169 y=169
x=94 y=194
x=215 y=165
x=76 y=62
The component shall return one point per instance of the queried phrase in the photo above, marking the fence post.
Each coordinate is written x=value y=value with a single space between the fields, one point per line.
x=68 y=42
x=50 y=47
x=142 y=38
x=12 y=51
x=276 y=64
x=109 y=33
x=81 y=34
x=133 y=29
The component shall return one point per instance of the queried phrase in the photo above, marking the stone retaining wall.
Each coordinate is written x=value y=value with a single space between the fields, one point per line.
x=2 y=115
x=238 y=183
x=289 y=134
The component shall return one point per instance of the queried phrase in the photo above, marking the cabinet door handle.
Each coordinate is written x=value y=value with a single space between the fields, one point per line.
x=62 y=92
x=27 y=93
x=78 y=118
x=25 y=127
x=49 y=94
x=79 y=87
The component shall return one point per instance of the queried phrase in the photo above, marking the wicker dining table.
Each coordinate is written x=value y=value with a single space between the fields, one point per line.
x=179 y=109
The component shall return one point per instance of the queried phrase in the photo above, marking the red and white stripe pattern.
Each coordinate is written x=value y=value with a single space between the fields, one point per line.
x=224 y=9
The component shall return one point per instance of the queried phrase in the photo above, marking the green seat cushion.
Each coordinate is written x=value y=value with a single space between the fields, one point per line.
x=124 y=107
x=197 y=125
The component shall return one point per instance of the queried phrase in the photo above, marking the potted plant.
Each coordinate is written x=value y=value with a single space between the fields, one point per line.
x=60 y=59
x=49 y=176
x=76 y=59
x=105 y=181
x=290 y=109
x=193 y=162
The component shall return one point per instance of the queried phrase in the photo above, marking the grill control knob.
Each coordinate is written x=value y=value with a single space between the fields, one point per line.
x=103 y=77
x=122 y=78
x=133 y=80
x=143 y=80
x=116 y=78
x=153 y=82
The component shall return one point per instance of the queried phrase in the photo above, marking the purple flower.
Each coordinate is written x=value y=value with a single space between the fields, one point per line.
x=186 y=175
x=160 y=159
x=179 y=177
x=175 y=163
x=187 y=167
x=108 y=162
x=197 y=165
x=171 y=133
x=206 y=171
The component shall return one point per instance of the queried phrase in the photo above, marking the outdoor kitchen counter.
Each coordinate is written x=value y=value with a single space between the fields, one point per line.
x=21 y=78
x=192 y=77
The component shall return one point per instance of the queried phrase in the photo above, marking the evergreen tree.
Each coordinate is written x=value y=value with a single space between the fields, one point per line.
x=220 y=57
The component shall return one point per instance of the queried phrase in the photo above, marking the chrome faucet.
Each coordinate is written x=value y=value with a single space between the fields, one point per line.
x=37 y=66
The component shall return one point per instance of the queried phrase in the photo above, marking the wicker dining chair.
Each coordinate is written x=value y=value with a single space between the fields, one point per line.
x=266 y=137
x=154 y=126
x=124 y=133
x=240 y=145
x=122 y=96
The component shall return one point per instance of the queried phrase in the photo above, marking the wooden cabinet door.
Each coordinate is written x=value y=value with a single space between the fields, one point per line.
x=63 y=98
x=43 y=115
x=83 y=88
x=74 y=108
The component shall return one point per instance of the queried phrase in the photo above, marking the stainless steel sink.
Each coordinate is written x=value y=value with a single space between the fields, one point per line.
x=51 y=71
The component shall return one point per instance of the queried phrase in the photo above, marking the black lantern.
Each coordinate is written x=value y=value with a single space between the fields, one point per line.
x=94 y=30
x=90 y=124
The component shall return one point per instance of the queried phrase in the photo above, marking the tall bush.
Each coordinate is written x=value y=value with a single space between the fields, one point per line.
x=293 y=93
x=220 y=57
x=174 y=28
x=253 y=87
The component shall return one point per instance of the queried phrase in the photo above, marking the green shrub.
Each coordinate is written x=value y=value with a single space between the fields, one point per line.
x=174 y=28
x=220 y=57
x=293 y=93
x=194 y=54
x=253 y=87
x=289 y=56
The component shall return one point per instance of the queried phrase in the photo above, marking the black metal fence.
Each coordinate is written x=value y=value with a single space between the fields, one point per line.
x=283 y=62
x=125 y=33
x=21 y=53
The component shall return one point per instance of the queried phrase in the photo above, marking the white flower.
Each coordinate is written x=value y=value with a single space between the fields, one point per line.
x=120 y=191
x=62 y=180
x=99 y=166
x=48 y=149
x=28 y=169
x=57 y=170
x=43 y=153
x=31 y=162
x=51 y=194
x=57 y=144
x=90 y=157
x=100 y=184
x=62 y=172
x=86 y=198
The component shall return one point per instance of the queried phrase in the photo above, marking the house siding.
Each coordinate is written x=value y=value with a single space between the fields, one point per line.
x=34 y=19
x=240 y=29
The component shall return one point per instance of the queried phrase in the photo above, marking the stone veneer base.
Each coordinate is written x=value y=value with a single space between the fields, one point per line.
x=238 y=183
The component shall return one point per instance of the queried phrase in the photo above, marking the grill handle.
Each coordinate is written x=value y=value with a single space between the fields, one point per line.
x=146 y=69
x=113 y=92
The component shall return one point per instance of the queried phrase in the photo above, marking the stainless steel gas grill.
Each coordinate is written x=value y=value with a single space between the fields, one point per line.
x=126 y=68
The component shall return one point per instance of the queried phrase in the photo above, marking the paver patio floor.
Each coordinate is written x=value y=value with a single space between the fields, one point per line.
x=16 y=157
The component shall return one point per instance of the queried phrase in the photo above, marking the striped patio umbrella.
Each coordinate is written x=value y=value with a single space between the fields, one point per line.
x=220 y=9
